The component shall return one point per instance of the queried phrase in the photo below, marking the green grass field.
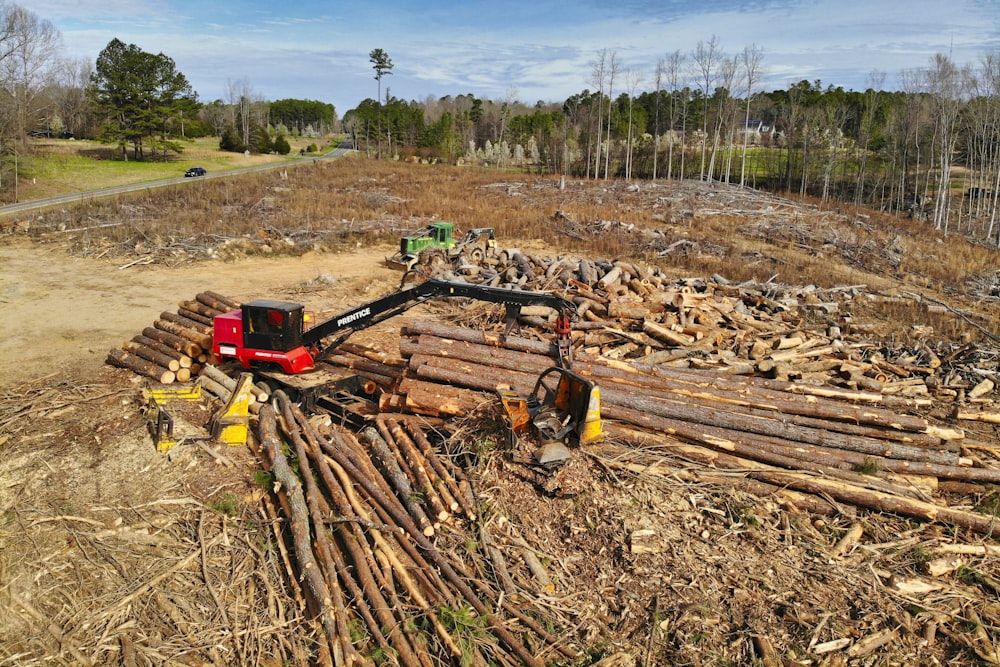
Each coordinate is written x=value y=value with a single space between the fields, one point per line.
x=58 y=166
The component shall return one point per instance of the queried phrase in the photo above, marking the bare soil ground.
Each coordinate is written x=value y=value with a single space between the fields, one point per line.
x=114 y=554
x=65 y=311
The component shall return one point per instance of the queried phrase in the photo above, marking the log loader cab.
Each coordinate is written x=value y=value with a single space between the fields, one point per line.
x=263 y=331
x=276 y=332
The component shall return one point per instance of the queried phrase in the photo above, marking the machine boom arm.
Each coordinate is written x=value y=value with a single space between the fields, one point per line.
x=376 y=311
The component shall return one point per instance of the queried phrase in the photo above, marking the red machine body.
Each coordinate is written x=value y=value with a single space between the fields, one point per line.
x=266 y=331
x=263 y=332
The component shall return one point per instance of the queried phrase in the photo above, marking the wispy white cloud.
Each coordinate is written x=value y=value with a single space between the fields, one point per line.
x=543 y=49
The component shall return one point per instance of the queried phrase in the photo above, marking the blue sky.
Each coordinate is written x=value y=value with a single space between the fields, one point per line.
x=528 y=50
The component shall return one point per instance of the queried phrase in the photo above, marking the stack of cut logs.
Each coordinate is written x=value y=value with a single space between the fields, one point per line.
x=178 y=344
x=382 y=529
x=830 y=434
x=631 y=311
x=363 y=515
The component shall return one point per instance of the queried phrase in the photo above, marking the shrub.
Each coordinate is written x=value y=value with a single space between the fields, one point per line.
x=231 y=141
x=261 y=140
x=281 y=145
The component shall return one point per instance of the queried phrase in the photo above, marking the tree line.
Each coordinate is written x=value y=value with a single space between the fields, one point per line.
x=136 y=101
x=930 y=149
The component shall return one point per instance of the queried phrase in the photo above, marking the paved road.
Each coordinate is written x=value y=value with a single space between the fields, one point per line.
x=343 y=149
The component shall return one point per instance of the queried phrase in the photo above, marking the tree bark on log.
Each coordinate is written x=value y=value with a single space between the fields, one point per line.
x=841 y=491
x=928 y=461
x=216 y=301
x=221 y=391
x=443 y=565
x=752 y=392
x=144 y=367
x=446 y=472
x=667 y=335
x=436 y=400
x=765 y=394
x=420 y=468
x=662 y=404
x=711 y=459
x=487 y=377
x=182 y=345
x=298 y=522
x=515 y=343
x=363 y=364
x=406 y=573
x=149 y=354
x=203 y=341
x=207 y=320
x=390 y=468
x=776 y=452
x=202 y=309
x=328 y=555
x=351 y=543
x=347 y=347
x=183 y=359
x=187 y=323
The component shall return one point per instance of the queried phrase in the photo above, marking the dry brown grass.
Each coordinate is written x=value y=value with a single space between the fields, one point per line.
x=740 y=234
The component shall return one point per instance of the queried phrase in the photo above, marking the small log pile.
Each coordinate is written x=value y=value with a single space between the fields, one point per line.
x=378 y=540
x=223 y=386
x=178 y=344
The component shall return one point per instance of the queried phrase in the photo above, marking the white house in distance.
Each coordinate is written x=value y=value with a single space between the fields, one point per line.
x=757 y=130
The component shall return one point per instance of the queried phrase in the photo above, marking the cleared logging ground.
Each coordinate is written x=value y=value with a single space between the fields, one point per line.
x=687 y=227
x=112 y=554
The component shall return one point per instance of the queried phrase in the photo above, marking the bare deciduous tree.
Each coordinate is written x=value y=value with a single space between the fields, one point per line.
x=505 y=111
x=71 y=103
x=705 y=56
x=751 y=64
x=248 y=109
x=29 y=65
x=614 y=67
x=632 y=77
x=675 y=65
x=724 y=116
x=29 y=55
x=989 y=98
x=876 y=79
x=661 y=67
x=599 y=75
x=946 y=85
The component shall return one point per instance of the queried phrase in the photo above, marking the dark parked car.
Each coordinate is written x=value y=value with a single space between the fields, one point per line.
x=195 y=171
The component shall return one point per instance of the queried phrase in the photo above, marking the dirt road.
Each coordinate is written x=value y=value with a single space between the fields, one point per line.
x=61 y=314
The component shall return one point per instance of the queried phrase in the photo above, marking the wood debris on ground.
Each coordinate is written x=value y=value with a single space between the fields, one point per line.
x=769 y=390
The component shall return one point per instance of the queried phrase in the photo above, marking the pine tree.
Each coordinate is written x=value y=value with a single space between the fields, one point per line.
x=137 y=93
x=281 y=145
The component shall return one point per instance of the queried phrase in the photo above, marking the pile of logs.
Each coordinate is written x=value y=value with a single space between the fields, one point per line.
x=864 y=448
x=178 y=344
x=635 y=312
x=381 y=532
x=378 y=527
